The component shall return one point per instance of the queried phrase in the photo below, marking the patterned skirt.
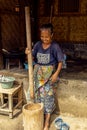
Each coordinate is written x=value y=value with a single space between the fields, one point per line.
x=44 y=87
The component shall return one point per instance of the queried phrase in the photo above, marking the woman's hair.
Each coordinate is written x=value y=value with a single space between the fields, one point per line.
x=47 y=26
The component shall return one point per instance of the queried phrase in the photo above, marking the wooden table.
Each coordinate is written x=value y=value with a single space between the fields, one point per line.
x=9 y=107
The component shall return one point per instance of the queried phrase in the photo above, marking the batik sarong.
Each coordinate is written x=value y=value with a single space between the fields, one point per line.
x=44 y=87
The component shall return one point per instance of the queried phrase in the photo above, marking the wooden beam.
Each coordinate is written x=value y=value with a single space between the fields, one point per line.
x=9 y=11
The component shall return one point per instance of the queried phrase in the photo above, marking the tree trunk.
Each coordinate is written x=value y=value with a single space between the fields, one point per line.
x=33 y=116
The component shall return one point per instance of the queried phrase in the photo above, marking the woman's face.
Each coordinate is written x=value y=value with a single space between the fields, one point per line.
x=46 y=36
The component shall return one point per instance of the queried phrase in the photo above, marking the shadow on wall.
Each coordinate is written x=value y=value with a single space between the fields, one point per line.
x=11 y=44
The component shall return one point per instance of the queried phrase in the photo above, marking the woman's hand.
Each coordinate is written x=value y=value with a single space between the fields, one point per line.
x=54 y=77
x=27 y=51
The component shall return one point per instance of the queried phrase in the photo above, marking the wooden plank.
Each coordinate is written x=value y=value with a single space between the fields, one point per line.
x=4 y=105
x=10 y=99
x=18 y=104
x=2 y=98
x=4 y=110
x=10 y=91
x=20 y=95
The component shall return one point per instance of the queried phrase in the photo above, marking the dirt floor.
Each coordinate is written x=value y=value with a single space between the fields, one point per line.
x=75 y=123
x=17 y=122
x=74 y=100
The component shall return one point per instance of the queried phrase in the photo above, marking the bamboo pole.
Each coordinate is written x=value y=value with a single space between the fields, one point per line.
x=30 y=68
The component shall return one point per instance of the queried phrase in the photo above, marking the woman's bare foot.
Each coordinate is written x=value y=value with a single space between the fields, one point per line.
x=46 y=128
x=47 y=120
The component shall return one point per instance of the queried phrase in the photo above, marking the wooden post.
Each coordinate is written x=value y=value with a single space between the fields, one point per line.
x=30 y=64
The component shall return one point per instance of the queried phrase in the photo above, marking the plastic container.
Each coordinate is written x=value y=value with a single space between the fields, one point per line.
x=58 y=122
x=60 y=125
x=7 y=82
x=65 y=126
x=26 y=66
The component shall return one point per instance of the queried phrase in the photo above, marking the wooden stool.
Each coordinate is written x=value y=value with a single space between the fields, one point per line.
x=9 y=108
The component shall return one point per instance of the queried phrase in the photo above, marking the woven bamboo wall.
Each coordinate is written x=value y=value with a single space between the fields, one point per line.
x=12 y=27
x=68 y=27
x=70 y=30
x=10 y=24
x=8 y=4
x=10 y=31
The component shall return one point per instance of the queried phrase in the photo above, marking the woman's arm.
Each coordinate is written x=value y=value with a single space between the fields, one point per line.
x=54 y=77
x=27 y=51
